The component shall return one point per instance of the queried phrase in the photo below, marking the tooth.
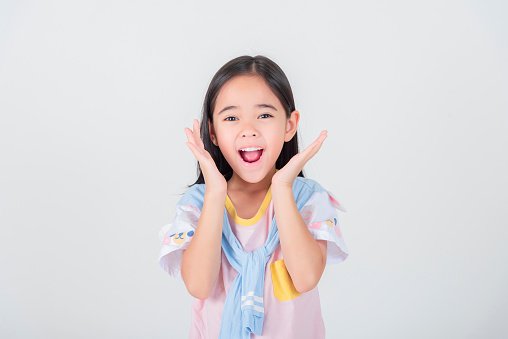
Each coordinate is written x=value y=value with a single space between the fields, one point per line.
x=250 y=149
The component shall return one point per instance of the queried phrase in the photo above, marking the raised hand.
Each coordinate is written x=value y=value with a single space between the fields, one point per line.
x=214 y=180
x=287 y=175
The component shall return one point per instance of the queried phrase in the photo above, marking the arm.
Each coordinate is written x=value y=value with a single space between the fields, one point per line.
x=201 y=260
x=304 y=256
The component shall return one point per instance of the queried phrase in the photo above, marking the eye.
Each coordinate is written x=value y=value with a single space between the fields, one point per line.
x=230 y=119
x=264 y=115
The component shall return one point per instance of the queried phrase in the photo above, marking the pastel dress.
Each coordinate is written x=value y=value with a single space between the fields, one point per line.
x=287 y=312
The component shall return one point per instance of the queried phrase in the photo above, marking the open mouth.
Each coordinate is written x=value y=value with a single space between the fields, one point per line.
x=251 y=155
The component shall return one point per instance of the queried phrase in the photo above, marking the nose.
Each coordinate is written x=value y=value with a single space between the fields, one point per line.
x=249 y=131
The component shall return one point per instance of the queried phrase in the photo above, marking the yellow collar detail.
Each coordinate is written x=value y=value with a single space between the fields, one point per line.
x=248 y=222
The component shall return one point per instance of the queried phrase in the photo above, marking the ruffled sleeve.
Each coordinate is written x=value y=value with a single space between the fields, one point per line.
x=176 y=237
x=321 y=217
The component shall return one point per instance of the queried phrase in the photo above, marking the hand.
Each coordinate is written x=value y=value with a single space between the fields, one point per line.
x=287 y=175
x=214 y=180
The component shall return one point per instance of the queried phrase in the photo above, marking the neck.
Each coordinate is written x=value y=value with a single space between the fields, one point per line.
x=237 y=183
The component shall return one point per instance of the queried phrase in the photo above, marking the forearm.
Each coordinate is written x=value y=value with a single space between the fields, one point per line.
x=201 y=260
x=304 y=257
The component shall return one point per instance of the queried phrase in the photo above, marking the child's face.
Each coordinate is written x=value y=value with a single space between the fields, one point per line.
x=250 y=127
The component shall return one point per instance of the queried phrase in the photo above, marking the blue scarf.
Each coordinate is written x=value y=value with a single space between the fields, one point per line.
x=243 y=310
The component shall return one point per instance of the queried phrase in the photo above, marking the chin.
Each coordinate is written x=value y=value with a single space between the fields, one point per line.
x=254 y=177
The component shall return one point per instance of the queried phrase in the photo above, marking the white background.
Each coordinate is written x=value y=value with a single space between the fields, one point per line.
x=94 y=96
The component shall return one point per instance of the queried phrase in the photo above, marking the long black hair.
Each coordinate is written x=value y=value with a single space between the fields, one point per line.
x=278 y=83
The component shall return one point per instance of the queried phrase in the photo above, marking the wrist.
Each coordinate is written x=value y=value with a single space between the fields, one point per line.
x=278 y=188
x=216 y=192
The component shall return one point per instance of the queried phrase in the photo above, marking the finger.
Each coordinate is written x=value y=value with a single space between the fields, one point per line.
x=304 y=156
x=322 y=136
x=313 y=148
x=194 y=150
x=190 y=136
x=317 y=145
x=319 y=141
x=297 y=162
x=197 y=135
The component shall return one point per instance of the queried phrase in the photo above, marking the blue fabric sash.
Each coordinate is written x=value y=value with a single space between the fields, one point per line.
x=243 y=312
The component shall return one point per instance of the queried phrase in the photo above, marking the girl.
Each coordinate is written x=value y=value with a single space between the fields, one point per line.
x=252 y=236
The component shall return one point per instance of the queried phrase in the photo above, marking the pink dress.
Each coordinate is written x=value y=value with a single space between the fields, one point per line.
x=288 y=313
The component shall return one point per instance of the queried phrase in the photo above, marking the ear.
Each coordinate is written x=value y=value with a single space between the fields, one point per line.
x=291 y=125
x=211 y=131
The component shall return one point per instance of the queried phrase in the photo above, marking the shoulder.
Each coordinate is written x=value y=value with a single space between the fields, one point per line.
x=304 y=189
x=194 y=196
x=307 y=184
x=316 y=192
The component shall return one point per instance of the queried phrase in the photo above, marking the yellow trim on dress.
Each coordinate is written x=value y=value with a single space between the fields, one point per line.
x=249 y=222
x=283 y=287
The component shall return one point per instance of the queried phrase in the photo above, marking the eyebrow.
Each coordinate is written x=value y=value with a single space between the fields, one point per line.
x=259 y=106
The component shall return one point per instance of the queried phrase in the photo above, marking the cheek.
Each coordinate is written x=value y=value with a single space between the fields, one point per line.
x=222 y=138
x=277 y=135
x=225 y=143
